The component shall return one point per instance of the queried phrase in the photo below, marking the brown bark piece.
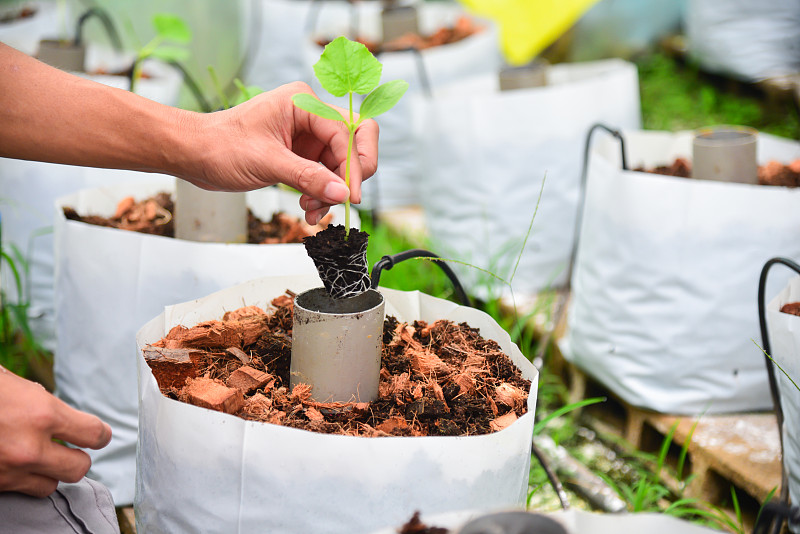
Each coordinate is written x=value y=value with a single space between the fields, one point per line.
x=248 y=379
x=170 y=367
x=123 y=207
x=243 y=313
x=210 y=334
x=392 y=424
x=427 y=363
x=238 y=353
x=213 y=395
x=792 y=308
x=509 y=396
x=503 y=421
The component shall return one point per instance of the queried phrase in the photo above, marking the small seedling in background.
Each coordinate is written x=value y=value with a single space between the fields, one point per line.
x=246 y=92
x=169 y=29
x=346 y=67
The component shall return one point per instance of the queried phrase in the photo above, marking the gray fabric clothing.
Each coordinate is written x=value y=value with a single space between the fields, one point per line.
x=82 y=508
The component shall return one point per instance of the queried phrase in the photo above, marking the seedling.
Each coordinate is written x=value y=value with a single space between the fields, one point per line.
x=246 y=92
x=169 y=29
x=346 y=67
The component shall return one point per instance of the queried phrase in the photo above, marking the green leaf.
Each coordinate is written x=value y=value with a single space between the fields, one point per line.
x=172 y=28
x=170 y=53
x=382 y=99
x=246 y=92
x=346 y=66
x=312 y=105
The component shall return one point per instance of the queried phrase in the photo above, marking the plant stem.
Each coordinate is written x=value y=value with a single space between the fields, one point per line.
x=218 y=88
x=351 y=127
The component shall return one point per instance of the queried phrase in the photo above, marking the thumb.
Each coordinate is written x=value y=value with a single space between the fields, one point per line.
x=310 y=178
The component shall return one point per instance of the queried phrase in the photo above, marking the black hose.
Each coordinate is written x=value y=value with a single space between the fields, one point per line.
x=765 y=345
x=387 y=262
x=101 y=14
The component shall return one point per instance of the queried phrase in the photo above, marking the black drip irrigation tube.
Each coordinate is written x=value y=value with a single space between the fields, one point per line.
x=101 y=14
x=561 y=309
x=387 y=262
x=772 y=516
x=773 y=382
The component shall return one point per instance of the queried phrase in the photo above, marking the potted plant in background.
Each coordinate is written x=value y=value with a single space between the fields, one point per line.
x=478 y=143
x=664 y=272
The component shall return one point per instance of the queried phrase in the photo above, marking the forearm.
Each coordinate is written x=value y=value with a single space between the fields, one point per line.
x=50 y=115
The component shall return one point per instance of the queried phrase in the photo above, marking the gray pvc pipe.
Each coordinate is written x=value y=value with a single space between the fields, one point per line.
x=336 y=345
x=64 y=55
x=533 y=74
x=725 y=154
x=209 y=216
x=398 y=21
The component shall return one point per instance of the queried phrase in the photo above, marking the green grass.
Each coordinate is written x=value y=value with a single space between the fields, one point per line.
x=676 y=95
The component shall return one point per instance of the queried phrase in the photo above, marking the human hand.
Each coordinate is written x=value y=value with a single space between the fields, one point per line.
x=268 y=140
x=30 y=419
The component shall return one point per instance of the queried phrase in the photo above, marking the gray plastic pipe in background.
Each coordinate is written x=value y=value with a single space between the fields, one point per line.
x=725 y=154
x=209 y=216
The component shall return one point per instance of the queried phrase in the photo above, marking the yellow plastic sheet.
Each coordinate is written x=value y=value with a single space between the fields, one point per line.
x=528 y=26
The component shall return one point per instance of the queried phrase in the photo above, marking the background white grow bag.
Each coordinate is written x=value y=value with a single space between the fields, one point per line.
x=205 y=471
x=399 y=172
x=664 y=292
x=110 y=282
x=28 y=190
x=578 y=522
x=784 y=340
x=25 y=34
x=486 y=153
x=748 y=39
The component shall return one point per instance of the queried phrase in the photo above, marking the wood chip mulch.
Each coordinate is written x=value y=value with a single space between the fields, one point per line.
x=462 y=28
x=772 y=173
x=792 y=308
x=416 y=526
x=153 y=216
x=436 y=379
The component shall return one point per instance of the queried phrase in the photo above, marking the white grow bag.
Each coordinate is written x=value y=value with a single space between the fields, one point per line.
x=664 y=291
x=110 y=282
x=486 y=153
x=28 y=190
x=784 y=340
x=747 y=39
x=205 y=471
x=25 y=34
x=577 y=522
x=396 y=182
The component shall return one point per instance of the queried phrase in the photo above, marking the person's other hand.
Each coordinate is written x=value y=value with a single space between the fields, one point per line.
x=267 y=140
x=31 y=462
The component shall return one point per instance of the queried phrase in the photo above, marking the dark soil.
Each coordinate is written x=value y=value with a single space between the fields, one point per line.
x=341 y=260
x=463 y=28
x=791 y=308
x=773 y=173
x=415 y=526
x=436 y=379
x=154 y=216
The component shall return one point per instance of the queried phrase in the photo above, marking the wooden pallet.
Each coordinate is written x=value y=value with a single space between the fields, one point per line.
x=731 y=452
x=127 y=520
